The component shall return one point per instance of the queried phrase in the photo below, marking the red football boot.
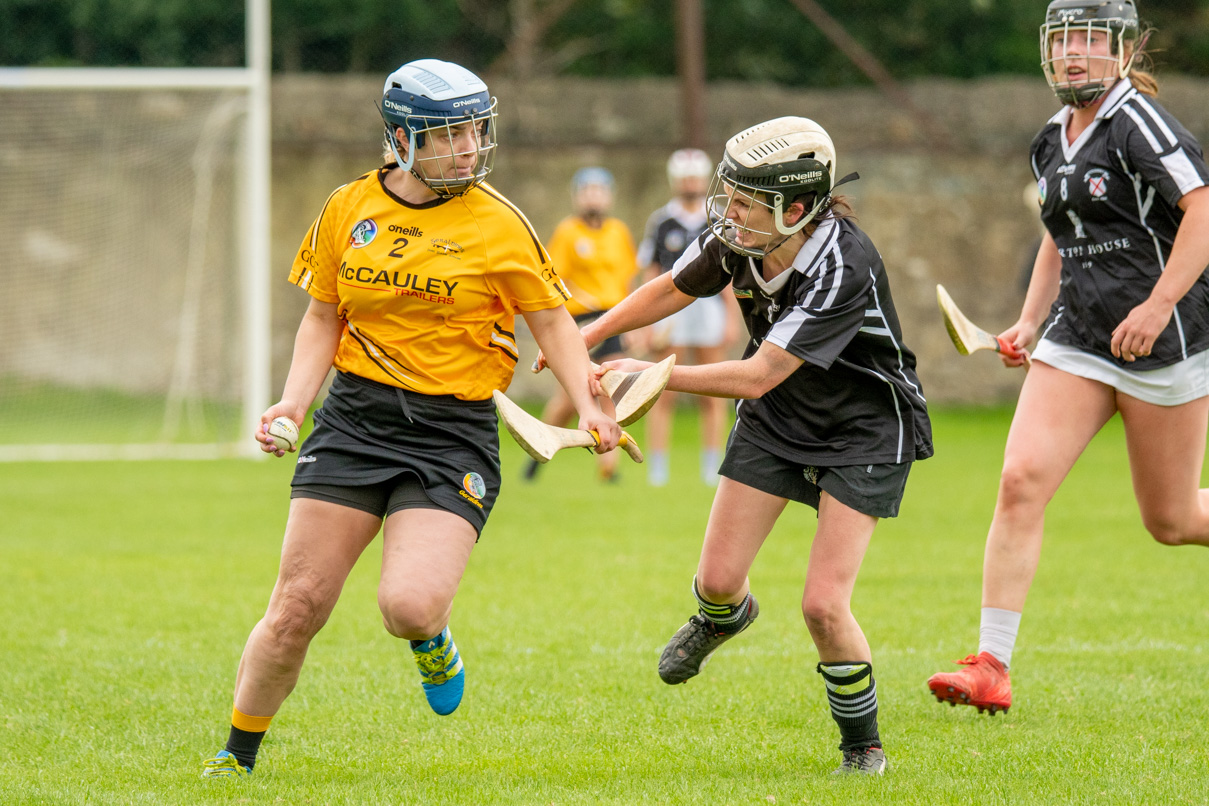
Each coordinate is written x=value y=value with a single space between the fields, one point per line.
x=984 y=684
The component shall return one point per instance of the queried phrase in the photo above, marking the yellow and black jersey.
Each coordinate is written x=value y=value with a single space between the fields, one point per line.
x=428 y=292
x=596 y=263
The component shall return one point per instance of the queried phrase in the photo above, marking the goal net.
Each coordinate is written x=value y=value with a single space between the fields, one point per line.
x=129 y=252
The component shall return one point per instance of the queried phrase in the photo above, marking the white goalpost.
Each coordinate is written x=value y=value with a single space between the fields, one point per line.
x=134 y=254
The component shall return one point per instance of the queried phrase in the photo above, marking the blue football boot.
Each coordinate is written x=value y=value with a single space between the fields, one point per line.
x=441 y=672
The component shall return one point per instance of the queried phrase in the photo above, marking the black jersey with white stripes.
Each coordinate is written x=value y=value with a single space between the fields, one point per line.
x=856 y=398
x=669 y=231
x=1111 y=201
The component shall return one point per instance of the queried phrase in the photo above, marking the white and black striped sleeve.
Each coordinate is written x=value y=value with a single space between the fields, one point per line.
x=829 y=310
x=701 y=271
x=1159 y=149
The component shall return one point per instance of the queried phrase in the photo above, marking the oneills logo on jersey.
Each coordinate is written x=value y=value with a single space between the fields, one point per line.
x=444 y=246
x=363 y=233
x=1097 y=183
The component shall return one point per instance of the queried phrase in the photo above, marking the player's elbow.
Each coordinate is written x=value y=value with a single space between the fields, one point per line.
x=755 y=385
x=762 y=373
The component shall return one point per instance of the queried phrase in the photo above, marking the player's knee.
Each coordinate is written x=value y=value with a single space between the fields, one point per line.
x=823 y=616
x=295 y=616
x=719 y=586
x=1165 y=530
x=415 y=616
x=1019 y=486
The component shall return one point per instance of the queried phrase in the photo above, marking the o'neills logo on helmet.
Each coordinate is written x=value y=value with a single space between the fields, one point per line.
x=395 y=106
x=809 y=176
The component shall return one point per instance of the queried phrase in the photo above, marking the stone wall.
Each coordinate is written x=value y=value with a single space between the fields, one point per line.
x=946 y=211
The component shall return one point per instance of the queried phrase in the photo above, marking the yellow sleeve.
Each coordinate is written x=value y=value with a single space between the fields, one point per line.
x=317 y=263
x=523 y=275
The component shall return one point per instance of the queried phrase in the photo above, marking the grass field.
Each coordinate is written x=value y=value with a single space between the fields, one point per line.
x=128 y=591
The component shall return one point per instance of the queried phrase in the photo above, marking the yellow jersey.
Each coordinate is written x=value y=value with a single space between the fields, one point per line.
x=596 y=263
x=427 y=292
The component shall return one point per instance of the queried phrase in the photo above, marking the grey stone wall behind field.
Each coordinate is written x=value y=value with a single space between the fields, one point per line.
x=951 y=213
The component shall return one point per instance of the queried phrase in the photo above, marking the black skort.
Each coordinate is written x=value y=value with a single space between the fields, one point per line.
x=875 y=490
x=380 y=449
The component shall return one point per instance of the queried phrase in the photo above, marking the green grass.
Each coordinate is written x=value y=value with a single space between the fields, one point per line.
x=42 y=413
x=129 y=589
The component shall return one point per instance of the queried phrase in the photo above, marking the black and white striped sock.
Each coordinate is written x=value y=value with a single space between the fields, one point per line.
x=727 y=617
x=852 y=694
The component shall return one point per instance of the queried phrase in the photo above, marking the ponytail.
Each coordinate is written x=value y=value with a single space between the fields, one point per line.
x=1141 y=66
x=1144 y=82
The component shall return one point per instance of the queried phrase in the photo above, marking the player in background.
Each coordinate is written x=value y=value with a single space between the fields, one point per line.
x=593 y=253
x=700 y=333
x=415 y=272
x=1120 y=294
x=830 y=410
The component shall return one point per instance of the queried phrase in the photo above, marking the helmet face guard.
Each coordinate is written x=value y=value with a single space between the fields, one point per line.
x=1115 y=20
x=448 y=109
x=770 y=188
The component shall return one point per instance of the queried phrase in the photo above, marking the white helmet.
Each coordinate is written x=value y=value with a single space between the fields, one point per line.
x=770 y=165
x=688 y=162
x=427 y=95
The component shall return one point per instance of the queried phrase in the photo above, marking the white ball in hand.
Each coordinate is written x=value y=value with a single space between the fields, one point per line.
x=283 y=433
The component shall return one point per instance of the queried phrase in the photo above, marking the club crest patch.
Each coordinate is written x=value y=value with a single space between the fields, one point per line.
x=473 y=484
x=1097 y=182
x=1041 y=189
x=444 y=246
x=364 y=231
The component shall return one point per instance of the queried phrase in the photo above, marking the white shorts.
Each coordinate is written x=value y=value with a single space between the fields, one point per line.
x=701 y=324
x=1167 y=386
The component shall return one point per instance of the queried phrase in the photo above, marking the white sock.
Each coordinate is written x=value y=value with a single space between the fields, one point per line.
x=997 y=633
x=658 y=471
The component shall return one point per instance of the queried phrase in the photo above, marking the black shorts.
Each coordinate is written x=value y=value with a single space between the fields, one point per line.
x=380 y=449
x=608 y=348
x=875 y=490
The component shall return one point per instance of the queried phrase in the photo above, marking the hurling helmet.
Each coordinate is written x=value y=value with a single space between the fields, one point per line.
x=428 y=98
x=688 y=162
x=769 y=166
x=591 y=176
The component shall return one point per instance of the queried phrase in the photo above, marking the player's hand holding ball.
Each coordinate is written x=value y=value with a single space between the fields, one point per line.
x=279 y=435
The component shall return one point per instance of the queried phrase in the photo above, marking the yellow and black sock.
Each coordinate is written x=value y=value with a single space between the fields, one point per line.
x=246 y=735
x=727 y=618
x=852 y=694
